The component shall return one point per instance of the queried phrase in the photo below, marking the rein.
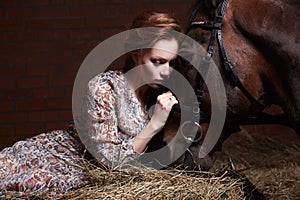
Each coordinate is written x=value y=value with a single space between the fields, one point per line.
x=216 y=34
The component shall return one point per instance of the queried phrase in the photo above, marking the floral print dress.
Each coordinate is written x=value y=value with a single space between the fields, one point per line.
x=51 y=163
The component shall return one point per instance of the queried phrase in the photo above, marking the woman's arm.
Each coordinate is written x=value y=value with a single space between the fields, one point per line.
x=162 y=110
x=103 y=124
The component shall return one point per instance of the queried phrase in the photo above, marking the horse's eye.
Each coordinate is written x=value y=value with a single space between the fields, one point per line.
x=173 y=63
x=189 y=67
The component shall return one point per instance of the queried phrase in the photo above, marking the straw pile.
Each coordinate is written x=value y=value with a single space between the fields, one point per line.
x=157 y=184
x=249 y=167
x=273 y=166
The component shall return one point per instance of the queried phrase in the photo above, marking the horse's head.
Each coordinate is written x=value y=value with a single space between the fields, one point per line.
x=203 y=34
x=249 y=45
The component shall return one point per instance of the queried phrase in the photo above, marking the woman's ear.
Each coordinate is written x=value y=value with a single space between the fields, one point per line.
x=134 y=56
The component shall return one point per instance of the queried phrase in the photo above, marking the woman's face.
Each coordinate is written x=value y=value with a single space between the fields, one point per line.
x=158 y=63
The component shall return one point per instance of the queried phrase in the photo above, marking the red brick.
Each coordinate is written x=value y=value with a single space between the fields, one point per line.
x=7 y=106
x=70 y=23
x=9 y=2
x=57 y=57
x=71 y=2
x=58 y=104
x=46 y=116
x=114 y=10
x=7 y=82
x=57 y=126
x=84 y=35
x=66 y=46
x=32 y=82
x=11 y=24
x=21 y=36
x=41 y=70
x=17 y=93
x=57 y=35
x=3 y=13
x=78 y=57
x=6 y=131
x=39 y=47
x=48 y=93
x=31 y=105
x=106 y=33
x=84 y=46
x=83 y=11
x=7 y=139
x=9 y=118
x=10 y=48
x=27 y=57
x=66 y=115
x=22 y=13
x=57 y=2
x=34 y=2
x=3 y=36
x=30 y=129
x=12 y=70
x=53 y=12
x=39 y=24
x=61 y=81
x=85 y=2
x=70 y=70
x=109 y=22
x=69 y=91
x=4 y=60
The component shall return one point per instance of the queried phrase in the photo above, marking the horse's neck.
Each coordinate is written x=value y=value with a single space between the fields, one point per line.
x=271 y=23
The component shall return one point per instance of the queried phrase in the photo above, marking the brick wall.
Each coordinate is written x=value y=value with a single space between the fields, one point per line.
x=42 y=46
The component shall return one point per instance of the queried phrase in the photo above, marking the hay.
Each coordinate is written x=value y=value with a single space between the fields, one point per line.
x=249 y=167
x=273 y=166
x=157 y=184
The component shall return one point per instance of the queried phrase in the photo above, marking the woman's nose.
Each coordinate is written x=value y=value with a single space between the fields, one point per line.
x=166 y=71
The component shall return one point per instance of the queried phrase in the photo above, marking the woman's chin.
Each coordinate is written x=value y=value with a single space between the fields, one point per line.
x=155 y=85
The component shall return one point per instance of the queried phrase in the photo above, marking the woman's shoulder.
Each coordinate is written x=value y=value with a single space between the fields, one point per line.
x=111 y=75
x=108 y=80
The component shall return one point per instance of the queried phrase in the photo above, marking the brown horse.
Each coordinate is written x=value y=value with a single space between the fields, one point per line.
x=255 y=44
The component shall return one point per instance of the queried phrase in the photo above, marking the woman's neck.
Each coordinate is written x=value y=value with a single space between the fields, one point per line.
x=142 y=95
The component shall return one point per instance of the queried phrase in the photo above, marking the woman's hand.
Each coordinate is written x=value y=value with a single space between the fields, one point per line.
x=163 y=107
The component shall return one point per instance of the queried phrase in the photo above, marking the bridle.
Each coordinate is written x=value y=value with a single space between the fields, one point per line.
x=215 y=28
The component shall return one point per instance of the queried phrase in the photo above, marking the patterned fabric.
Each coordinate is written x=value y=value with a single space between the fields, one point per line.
x=51 y=162
x=47 y=163
x=115 y=118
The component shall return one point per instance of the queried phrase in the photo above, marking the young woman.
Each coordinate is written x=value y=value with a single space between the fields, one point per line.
x=119 y=118
x=119 y=123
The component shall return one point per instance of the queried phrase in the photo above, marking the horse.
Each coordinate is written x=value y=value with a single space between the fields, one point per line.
x=255 y=46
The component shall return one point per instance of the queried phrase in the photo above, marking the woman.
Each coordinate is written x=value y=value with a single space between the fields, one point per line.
x=119 y=123
x=123 y=111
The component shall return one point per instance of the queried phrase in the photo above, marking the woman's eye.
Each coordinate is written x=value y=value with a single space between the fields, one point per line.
x=155 y=62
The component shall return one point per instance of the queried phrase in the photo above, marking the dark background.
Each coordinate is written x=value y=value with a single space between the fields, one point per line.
x=42 y=46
